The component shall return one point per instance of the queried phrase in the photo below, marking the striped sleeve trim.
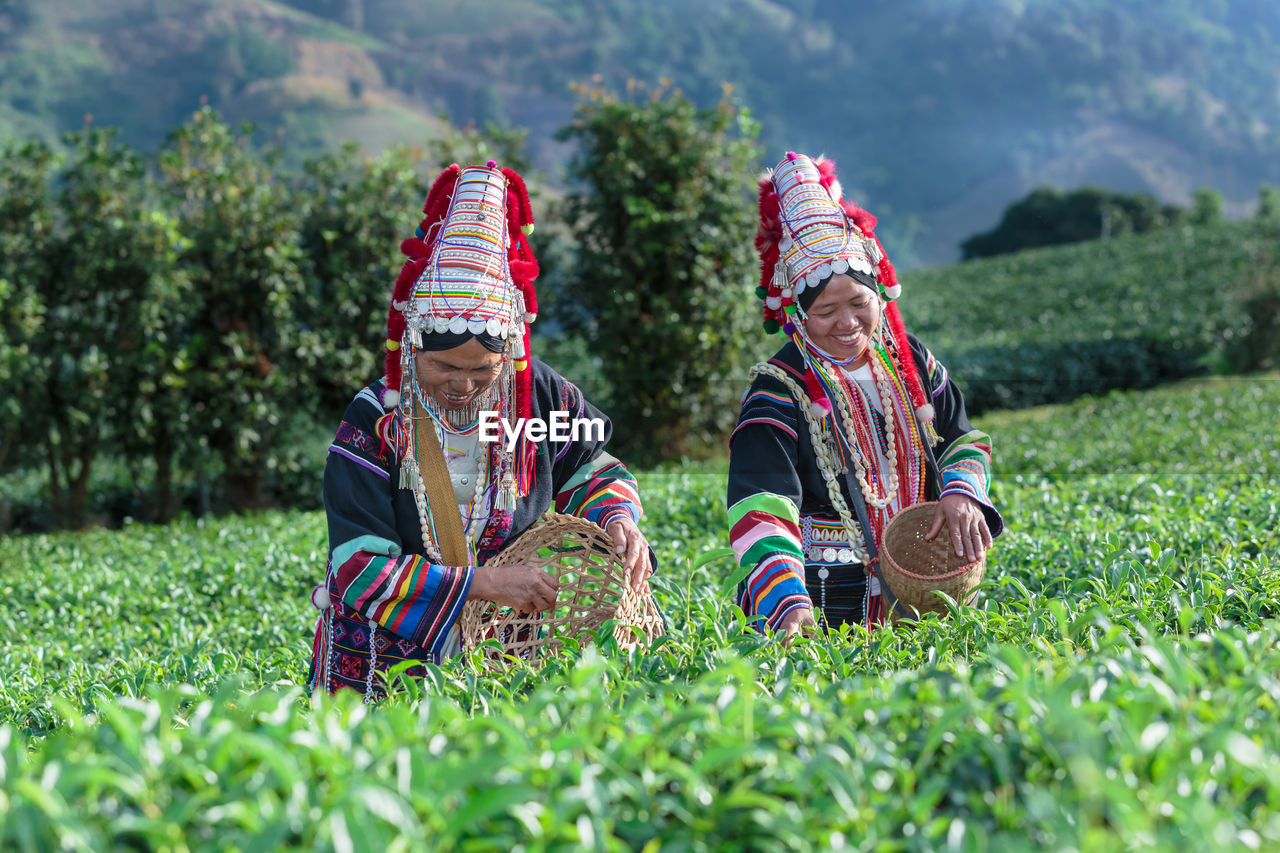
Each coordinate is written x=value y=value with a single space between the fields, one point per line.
x=763 y=405
x=936 y=374
x=363 y=463
x=406 y=595
x=607 y=492
x=966 y=466
x=368 y=396
x=764 y=532
x=774 y=589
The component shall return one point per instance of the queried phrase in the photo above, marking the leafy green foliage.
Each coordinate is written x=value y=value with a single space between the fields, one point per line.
x=1051 y=324
x=26 y=230
x=91 y=252
x=356 y=210
x=1050 y=217
x=1206 y=207
x=239 y=228
x=1268 y=202
x=662 y=265
x=1114 y=686
x=166 y=316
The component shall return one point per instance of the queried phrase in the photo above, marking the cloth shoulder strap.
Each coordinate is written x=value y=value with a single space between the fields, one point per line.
x=441 y=502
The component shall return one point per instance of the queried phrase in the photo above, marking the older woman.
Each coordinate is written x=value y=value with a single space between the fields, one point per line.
x=418 y=493
x=852 y=421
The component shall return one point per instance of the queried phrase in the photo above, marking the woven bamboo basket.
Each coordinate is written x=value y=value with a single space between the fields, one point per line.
x=915 y=567
x=593 y=590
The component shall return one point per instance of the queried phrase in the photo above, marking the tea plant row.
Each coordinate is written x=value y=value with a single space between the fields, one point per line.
x=1116 y=684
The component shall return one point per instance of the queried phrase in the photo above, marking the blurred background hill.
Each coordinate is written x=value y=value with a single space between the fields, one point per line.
x=940 y=112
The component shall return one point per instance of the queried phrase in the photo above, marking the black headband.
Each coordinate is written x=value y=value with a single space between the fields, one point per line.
x=437 y=341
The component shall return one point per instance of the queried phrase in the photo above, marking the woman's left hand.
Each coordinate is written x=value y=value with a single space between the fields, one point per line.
x=633 y=551
x=965 y=520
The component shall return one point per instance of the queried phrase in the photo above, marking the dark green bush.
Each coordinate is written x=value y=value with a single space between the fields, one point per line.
x=661 y=286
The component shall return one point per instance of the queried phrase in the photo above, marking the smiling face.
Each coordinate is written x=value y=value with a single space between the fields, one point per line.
x=456 y=377
x=843 y=317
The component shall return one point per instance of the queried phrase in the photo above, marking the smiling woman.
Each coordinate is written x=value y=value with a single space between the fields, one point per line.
x=417 y=504
x=850 y=423
x=458 y=378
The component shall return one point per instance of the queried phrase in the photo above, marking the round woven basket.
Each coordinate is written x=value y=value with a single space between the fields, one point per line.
x=915 y=567
x=593 y=590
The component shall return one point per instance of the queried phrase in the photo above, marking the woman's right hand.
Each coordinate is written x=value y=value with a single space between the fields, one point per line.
x=526 y=588
x=800 y=619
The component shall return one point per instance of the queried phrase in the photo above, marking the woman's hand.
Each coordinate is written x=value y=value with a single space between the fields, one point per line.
x=968 y=525
x=526 y=588
x=633 y=551
x=798 y=620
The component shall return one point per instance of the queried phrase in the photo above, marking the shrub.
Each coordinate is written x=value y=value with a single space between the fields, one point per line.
x=664 y=271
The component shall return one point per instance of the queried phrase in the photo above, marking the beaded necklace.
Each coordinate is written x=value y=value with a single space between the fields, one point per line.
x=900 y=473
x=475 y=516
x=825 y=453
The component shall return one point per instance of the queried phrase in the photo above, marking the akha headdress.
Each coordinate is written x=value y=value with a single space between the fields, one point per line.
x=469 y=270
x=809 y=232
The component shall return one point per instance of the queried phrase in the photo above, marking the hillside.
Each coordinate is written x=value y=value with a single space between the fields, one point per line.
x=1047 y=325
x=940 y=113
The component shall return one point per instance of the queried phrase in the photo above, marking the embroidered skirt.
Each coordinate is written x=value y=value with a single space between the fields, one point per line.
x=348 y=654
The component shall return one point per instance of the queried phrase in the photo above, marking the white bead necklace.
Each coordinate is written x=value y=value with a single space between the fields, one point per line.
x=859 y=461
x=824 y=454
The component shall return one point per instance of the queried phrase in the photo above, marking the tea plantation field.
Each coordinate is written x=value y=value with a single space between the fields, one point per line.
x=1129 y=312
x=1117 y=687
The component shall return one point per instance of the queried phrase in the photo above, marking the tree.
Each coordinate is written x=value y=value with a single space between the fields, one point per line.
x=1206 y=207
x=249 y=357
x=1268 y=202
x=82 y=256
x=27 y=218
x=105 y=319
x=356 y=210
x=663 y=219
x=1050 y=217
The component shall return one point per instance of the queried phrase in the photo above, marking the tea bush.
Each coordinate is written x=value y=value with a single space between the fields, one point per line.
x=1048 y=325
x=1115 y=686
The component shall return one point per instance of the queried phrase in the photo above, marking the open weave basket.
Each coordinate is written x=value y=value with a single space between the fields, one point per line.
x=593 y=590
x=915 y=567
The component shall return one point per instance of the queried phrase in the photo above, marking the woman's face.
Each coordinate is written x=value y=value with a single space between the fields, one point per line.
x=456 y=377
x=843 y=317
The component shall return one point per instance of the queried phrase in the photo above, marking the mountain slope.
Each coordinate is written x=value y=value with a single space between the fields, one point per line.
x=940 y=113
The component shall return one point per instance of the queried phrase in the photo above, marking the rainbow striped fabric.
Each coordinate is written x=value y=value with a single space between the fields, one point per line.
x=607 y=491
x=764 y=532
x=404 y=594
x=964 y=466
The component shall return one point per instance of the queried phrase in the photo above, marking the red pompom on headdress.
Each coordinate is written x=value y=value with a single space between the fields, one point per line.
x=524 y=270
x=768 y=235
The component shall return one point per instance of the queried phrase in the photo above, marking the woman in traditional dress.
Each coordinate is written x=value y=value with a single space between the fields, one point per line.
x=401 y=564
x=852 y=421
